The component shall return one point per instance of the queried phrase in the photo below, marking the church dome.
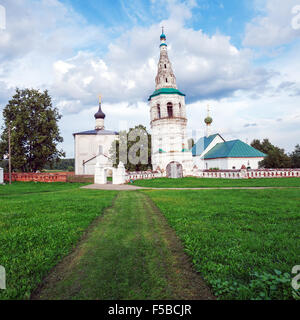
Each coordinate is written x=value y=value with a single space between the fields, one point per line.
x=163 y=36
x=208 y=120
x=100 y=114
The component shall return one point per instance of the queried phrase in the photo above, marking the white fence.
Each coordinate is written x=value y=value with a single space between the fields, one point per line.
x=143 y=175
x=226 y=174
x=248 y=174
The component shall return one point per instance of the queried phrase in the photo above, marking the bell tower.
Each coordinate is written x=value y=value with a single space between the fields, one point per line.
x=168 y=118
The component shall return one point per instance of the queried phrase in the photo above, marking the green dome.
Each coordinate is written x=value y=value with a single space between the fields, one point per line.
x=163 y=36
x=208 y=120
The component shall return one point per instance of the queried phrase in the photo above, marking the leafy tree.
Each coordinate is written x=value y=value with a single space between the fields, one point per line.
x=295 y=157
x=276 y=157
x=124 y=146
x=61 y=164
x=34 y=130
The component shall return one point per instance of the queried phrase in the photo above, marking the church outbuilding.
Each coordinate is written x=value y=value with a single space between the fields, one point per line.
x=89 y=144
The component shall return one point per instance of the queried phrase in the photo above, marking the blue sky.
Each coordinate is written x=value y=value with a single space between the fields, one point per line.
x=241 y=57
x=229 y=17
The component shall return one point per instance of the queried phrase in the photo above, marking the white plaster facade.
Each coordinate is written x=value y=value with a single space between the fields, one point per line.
x=88 y=146
x=232 y=163
x=168 y=119
x=104 y=166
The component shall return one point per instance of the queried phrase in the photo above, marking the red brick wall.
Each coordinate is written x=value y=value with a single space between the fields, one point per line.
x=39 y=177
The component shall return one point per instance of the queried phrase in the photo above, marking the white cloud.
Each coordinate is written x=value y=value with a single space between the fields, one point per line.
x=273 y=26
x=205 y=67
x=48 y=45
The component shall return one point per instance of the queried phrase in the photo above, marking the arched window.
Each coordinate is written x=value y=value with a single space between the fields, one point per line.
x=158 y=111
x=170 y=109
x=166 y=79
x=165 y=66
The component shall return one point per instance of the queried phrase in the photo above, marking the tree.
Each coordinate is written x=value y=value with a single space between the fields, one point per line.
x=125 y=147
x=276 y=157
x=34 y=130
x=295 y=157
x=62 y=164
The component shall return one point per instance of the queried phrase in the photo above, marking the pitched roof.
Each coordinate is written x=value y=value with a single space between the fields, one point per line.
x=97 y=132
x=233 y=149
x=202 y=144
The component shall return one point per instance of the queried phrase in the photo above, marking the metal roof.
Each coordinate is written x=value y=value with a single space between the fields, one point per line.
x=233 y=149
x=202 y=144
x=165 y=91
x=97 y=132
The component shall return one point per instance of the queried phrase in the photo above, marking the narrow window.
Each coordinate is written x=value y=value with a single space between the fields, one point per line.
x=158 y=111
x=170 y=109
x=166 y=79
x=165 y=66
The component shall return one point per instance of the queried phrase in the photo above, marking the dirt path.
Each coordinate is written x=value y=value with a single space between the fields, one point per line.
x=129 y=253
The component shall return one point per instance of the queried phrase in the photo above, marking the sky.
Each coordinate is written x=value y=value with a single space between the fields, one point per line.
x=239 y=56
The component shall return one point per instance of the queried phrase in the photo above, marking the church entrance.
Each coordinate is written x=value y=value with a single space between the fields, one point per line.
x=174 y=170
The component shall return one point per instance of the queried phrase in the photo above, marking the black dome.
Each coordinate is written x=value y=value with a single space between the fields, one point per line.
x=99 y=114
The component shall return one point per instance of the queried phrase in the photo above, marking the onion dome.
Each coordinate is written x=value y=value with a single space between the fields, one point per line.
x=208 y=120
x=163 y=37
x=100 y=114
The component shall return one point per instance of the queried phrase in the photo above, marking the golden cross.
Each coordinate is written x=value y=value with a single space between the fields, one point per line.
x=99 y=98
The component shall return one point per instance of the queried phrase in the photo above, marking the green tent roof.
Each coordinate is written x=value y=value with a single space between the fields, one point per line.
x=165 y=91
x=233 y=149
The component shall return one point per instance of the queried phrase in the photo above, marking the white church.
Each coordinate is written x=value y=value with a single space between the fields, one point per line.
x=170 y=151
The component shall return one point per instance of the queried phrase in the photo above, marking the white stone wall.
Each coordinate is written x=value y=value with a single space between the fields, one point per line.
x=162 y=100
x=231 y=163
x=169 y=134
x=87 y=147
x=161 y=160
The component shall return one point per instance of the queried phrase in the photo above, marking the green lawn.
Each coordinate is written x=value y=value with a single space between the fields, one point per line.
x=193 y=182
x=131 y=253
x=23 y=188
x=244 y=243
x=238 y=238
x=40 y=223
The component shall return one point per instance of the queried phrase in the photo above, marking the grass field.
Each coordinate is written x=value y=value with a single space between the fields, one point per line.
x=244 y=243
x=131 y=253
x=238 y=238
x=40 y=223
x=193 y=182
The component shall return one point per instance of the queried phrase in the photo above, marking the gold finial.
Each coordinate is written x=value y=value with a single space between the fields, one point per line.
x=100 y=98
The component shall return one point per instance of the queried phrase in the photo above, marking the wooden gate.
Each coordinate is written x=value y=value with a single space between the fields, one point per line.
x=174 y=170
